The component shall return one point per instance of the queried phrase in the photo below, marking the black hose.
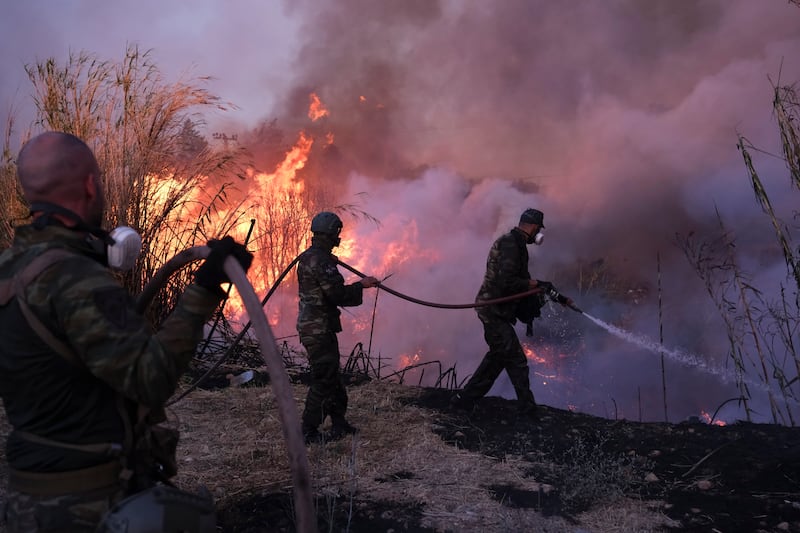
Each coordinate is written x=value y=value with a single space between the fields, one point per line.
x=281 y=385
x=479 y=303
x=181 y=259
x=238 y=338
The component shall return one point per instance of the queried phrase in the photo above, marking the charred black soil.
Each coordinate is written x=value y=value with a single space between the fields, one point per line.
x=738 y=477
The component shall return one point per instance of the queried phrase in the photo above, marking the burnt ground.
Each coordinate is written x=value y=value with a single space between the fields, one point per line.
x=737 y=478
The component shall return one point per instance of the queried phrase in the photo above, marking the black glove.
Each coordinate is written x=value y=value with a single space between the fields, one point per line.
x=211 y=273
x=546 y=286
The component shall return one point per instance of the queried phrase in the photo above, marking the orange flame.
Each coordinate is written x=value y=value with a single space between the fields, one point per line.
x=410 y=360
x=277 y=200
x=530 y=354
x=316 y=108
x=707 y=418
x=295 y=160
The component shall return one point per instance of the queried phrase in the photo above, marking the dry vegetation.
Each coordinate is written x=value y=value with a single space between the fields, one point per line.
x=761 y=324
x=396 y=471
x=416 y=465
x=419 y=466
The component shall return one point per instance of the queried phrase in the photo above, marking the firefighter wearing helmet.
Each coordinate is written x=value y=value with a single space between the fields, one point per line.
x=322 y=291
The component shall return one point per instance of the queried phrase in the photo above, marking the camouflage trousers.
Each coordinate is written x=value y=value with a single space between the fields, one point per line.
x=505 y=353
x=327 y=394
x=73 y=513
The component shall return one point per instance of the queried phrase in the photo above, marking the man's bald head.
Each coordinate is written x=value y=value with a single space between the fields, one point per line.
x=61 y=169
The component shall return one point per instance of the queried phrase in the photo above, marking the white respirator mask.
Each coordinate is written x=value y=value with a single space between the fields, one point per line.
x=118 y=249
x=124 y=251
x=536 y=239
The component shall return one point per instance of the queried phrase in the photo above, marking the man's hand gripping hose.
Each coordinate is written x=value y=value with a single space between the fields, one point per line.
x=305 y=517
x=556 y=296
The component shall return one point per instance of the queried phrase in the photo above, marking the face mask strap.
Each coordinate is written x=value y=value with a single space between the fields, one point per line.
x=47 y=209
x=120 y=255
x=535 y=238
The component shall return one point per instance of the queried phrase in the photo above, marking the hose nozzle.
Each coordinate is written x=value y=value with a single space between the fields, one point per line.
x=575 y=308
x=563 y=300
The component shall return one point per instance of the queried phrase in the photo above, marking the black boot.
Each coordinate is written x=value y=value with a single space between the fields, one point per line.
x=528 y=409
x=311 y=435
x=339 y=428
x=462 y=402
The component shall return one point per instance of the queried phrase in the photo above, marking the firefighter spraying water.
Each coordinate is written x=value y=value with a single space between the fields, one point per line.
x=507 y=274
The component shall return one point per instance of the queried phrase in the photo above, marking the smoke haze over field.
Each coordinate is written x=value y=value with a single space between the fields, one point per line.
x=618 y=119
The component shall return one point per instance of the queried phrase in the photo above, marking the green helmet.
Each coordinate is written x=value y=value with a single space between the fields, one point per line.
x=326 y=222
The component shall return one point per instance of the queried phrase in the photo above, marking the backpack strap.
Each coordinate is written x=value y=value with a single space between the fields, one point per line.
x=9 y=287
x=15 y=288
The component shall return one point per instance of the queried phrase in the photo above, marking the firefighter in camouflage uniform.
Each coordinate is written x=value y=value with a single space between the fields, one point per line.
x=322 y=290
x=77 y=361
x=506 y=274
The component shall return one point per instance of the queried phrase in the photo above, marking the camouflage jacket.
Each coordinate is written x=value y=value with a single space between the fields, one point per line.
x=322 y=290
x=84 y=306
x=506 y=274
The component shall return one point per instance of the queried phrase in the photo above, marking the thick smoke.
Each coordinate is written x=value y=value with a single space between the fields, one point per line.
x=618 y=119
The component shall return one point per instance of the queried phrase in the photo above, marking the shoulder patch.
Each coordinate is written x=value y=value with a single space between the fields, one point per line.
x=114 y=304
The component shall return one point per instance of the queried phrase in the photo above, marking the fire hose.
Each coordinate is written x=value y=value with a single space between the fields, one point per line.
x=552 y=292
x=180 y=261
x=281 y=385
x=290 y=421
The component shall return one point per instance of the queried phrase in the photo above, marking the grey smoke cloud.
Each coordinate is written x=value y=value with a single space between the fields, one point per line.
x=620 y=119
x=617 y=118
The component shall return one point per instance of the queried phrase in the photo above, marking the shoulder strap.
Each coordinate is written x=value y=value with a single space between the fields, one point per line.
x=15 y=287
x=47 y=259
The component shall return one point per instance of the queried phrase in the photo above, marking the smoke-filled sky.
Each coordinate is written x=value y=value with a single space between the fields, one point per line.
x=619 y=119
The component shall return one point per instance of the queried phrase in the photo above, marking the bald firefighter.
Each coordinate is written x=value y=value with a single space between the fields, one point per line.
x=83 y=377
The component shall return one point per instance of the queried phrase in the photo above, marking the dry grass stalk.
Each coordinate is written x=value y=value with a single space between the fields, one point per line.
x=787 y=113
x=761 y=329
x=763 y=200
x=159 y=172
x=231 y=444
x=12 y=204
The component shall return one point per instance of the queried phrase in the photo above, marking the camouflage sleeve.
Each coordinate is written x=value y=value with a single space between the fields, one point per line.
x=332 y=284
x=512 y=276
x=97 y=318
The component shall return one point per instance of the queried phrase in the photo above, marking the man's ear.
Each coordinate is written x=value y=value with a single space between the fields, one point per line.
x=89 y=186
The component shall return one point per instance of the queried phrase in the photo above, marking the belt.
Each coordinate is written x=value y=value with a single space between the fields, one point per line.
x=71 y=481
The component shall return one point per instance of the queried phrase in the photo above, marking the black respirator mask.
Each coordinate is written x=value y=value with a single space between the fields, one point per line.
x=536 y=238
x=335 y=240
x=329 y=238
x=118 y=249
